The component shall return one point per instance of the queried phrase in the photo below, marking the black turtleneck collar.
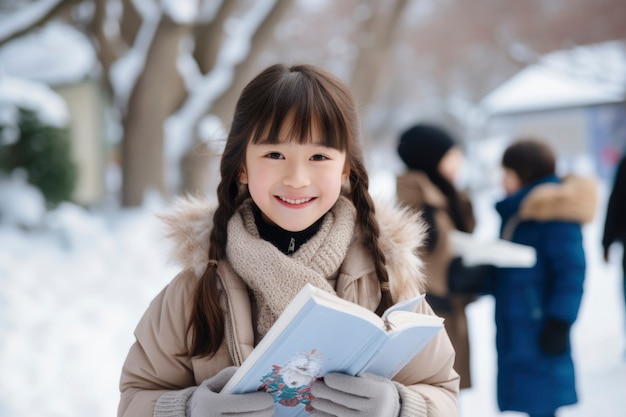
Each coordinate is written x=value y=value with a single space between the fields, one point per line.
x=285 y=241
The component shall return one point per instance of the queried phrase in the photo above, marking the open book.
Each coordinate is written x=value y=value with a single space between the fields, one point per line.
x=320 y=333
x=498 y=252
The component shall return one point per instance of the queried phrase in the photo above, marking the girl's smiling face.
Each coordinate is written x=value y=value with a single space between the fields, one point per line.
x=294 y=184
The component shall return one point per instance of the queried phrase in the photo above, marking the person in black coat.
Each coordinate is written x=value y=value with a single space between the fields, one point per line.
x=615 y=221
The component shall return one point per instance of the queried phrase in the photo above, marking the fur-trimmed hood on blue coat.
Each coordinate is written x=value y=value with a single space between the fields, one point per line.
x=572 y=199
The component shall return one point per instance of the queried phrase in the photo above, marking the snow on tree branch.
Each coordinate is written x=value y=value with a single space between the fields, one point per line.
x=25 y=18
x=181 y=11
x=125 y=71
x=179 y=126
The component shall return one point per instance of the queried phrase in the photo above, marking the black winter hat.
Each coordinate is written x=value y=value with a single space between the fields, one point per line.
x=421 y=147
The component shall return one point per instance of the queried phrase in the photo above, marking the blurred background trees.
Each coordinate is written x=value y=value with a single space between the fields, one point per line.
x=42 y=154
x=168 y=72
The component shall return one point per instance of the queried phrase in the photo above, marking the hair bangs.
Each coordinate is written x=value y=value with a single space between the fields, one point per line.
x=300 y=109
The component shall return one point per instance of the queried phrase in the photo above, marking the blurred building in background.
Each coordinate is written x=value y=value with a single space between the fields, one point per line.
x=575 y=100
x=61 y=57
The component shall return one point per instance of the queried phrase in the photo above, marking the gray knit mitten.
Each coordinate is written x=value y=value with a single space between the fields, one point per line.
x=206 y=401
x=344 y=395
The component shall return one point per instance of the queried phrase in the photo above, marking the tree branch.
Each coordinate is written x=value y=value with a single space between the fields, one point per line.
x=209 y=37
x=27 y=18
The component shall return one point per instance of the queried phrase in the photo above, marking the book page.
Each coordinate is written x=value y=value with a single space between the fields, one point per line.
x=409 y=333
x=407 y=305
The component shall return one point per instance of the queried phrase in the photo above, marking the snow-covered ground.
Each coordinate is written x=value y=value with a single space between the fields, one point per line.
x=72 y=292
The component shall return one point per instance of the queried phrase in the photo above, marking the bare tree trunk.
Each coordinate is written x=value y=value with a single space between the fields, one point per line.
x=224 y=106
x=202 y=177
x=209 y=37
x=158 y=92
x=373 y=58
x=106 y=49
x=61 y=8
x=130 y=22
x=199 y=170
x=198 y=165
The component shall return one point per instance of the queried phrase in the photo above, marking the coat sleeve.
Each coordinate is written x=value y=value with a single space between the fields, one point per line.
x=430 y=385
x=154 y=365
x=614 y=223
x=566 y=266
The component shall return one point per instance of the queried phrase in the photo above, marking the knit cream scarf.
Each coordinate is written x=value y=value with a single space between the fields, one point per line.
x=276 y=278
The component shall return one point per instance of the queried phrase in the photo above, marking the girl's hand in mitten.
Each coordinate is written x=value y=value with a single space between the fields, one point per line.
x=344 y=395
x=206 y=401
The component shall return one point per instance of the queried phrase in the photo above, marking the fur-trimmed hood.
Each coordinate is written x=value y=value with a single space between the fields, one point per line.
x=574 y=199
x=189 y=221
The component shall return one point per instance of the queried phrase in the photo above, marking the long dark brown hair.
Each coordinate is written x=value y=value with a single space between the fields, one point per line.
x=302 y=98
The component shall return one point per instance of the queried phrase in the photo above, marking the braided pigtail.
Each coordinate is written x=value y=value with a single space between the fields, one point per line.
x=206 y=323
x=371 y=232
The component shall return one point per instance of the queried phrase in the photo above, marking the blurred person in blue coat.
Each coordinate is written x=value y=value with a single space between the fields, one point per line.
x=536 y=307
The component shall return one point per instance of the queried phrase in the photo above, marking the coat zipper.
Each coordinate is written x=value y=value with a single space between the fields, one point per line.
x=233 y=349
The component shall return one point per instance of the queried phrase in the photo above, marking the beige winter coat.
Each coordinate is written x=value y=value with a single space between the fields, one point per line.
x=415 y=190
x=153 y=367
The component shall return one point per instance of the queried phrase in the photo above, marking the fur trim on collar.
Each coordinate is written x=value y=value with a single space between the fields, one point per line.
x=575 y=200
x=189 y=222
x=402 y=234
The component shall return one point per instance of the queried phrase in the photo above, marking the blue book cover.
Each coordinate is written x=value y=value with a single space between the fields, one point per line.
x=320 y=333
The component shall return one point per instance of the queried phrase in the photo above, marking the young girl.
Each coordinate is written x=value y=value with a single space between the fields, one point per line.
x=293 y=208
x=536 y=307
